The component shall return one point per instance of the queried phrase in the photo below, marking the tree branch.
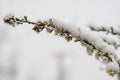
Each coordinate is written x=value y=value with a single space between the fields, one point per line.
x=95 y=44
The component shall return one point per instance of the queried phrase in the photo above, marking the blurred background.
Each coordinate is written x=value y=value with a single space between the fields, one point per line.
x=25 y=55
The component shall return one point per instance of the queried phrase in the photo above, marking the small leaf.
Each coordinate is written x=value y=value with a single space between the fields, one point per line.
x=49 y=30
x=77 y=38
x=90 y=50
x=111 y=72
x=36 y=29
x=25 y=17
x=57 y=31
x=68 y=38
x=97 y=55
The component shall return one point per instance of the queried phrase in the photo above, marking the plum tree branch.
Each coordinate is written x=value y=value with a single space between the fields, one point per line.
x=99 y=46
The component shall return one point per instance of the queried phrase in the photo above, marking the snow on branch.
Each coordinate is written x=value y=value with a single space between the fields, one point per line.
x=100 y=42
x=108 y=29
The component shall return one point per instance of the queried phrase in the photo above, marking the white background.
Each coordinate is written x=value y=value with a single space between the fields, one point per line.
x=33 y=56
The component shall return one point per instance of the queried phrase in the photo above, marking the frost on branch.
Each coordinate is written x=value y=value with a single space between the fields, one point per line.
x=101 y=42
